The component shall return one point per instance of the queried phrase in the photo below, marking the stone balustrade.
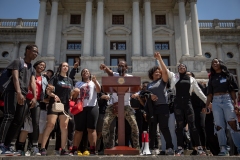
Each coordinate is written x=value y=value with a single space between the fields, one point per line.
x=18 y=23
x=219 y=24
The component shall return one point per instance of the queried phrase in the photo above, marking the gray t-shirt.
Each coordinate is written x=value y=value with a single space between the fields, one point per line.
x=158 y=88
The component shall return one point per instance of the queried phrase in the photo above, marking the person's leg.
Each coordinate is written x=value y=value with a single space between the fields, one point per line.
x=139 y=119
x=107 y=121
x=130 y=117
x=42 y=125
x=71 y=129
x=179 y=115
x=63 y=121
x=112 y=133
x=128 y=131
x=99 y=131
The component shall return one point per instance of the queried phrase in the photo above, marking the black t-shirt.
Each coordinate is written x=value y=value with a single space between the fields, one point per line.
x=25 y=74
x=102 y=103
x=135 y=103
x=219 y=82
x=183 y=87
x=63 y=87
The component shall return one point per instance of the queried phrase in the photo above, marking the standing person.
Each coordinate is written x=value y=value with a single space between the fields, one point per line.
x=103 y=99
x=221 y=91
x=87 y=89
x=198 y=104
x=158 y=87
x=59 y=90
x=15 y=95
x=41 y=84
x=184 y=86
x=128 y=111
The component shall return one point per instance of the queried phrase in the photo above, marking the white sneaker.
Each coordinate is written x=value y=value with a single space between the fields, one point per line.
x=180 y=151
x=35 y=151
x=28 y=153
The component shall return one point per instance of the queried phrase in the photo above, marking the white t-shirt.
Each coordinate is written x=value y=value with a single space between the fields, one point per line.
x=114 y=97
x=90 y=97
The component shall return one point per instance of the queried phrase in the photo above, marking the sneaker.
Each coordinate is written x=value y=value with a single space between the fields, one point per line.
x=194 y=152
x=86 y=153
x=162 y=153
x=223 y=153
x=64 y=152
x=28 y=153
x=2 y=149
x=200 y=152
x=21 y=153
x=43 y=152
x=73 y=152
x=169 y=151
x=35 y=151
x=79 y=153
x=92 y=150
x=10 y=151
x=180 y=151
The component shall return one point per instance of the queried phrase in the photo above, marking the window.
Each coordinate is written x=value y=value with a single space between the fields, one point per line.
x=166 y=60
x=118 y=19
x=207 y=55
x=234 y=72
x=229 y=55
x=161 y=45
x=118 y=45
x=5 y=54
x=160 y=19
x=74 y=45
x=75 y=19
x=71 y=60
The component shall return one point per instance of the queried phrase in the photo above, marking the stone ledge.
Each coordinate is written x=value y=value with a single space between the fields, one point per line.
x=121 y=158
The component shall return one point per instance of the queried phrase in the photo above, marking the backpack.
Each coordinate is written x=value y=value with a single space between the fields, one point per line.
x=6 y=76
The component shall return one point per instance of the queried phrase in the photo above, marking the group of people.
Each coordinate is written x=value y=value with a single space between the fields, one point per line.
x=174 y=102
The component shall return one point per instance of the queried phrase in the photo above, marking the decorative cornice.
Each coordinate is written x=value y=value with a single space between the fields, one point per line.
x=164 y=29
x=68 y=30
x=18 y=31
x=127 y=31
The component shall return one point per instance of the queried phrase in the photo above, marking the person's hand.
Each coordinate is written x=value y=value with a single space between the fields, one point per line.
x=154 y=97
x=135 y=96
x=206 y=110
x=102 y=66
x=20 y=99
x=56 y=98
x=94 y=79
x=50 y=87
x=157 y=55
x=33 y=103
x=105 y=97
x=75 y=66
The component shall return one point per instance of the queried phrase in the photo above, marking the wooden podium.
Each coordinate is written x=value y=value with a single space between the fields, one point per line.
x=121 y=85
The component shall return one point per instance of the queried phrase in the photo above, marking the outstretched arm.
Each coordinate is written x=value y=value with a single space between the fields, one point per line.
x=106 y=69
x=162 y=65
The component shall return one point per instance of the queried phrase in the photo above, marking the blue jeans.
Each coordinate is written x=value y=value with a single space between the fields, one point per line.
x=223 y=112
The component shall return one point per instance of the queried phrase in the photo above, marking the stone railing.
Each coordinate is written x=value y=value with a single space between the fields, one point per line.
x=219 y=24
x=18 y=23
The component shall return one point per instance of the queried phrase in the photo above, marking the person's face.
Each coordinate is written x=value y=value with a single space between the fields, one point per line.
x=157 y=74
x=49 y=74
x=32 y=53
x=122 y=64
x=86 y=74
x=64 y=67
x=144 y=86
x=182 y=68
x=40 y=67
x=189 y=74
x=215 y=65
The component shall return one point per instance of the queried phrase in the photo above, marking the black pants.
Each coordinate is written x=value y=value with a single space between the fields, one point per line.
x=184 y=112
x=14 y=115
x=200 y=125
x=162 y=119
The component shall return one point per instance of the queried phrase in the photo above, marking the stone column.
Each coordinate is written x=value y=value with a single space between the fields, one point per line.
x=219 y=51
x=87 y=29
x=100 y=29
x=52 y=29
x=15 y=54
x=183 y=27
x=195 y=29
x=148 y=28
x=40 y=26
x=136 y=29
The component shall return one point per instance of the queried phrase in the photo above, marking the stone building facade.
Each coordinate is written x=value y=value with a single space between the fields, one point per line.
x=106 y=31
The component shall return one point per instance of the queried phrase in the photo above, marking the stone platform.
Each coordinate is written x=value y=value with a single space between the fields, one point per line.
x=121 y=158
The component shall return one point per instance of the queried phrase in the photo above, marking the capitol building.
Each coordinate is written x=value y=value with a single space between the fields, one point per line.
x=106 y=31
